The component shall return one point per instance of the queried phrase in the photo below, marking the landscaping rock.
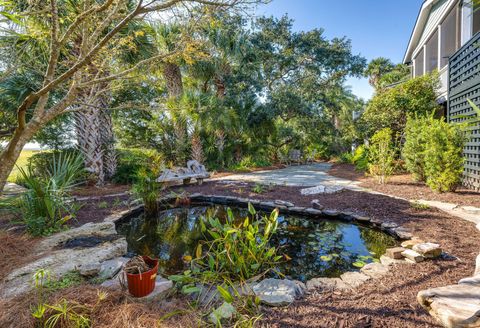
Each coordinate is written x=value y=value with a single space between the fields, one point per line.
x=297 y=210
x=453 y=306
x=375 y=270
x=221 y=314
x=313 y=211
x=385 y=260
x=110 y=268
x=428 y=250
x=413 y=256
x=284 y=203
x=59 y=262
x=331 y=213
x=102 y=229
x=475 y=281
x=477 y=266
x=362 y=219
x=411 y=242
x=354 y=279
x=321 y=189
x=277 y=292
x=402 y=233
x=395 y=253
x=162 y=288
x=317 y=205
x=388 y=225
x=89 y=269
x=327 y=284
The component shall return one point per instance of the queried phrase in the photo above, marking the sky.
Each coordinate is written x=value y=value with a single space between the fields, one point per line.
x=377 y=28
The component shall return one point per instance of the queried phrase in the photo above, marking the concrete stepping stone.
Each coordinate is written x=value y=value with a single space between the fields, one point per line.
x=453 y=306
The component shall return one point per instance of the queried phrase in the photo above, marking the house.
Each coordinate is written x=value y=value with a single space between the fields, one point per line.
x=446 y=38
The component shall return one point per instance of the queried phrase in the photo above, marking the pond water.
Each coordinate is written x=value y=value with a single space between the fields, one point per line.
x=317 y=248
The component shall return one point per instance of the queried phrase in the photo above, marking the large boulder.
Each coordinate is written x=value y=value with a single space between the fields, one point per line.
x=455 y=306
x=277 y=292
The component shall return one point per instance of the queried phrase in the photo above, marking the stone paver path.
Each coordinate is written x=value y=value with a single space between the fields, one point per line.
x=299 y=176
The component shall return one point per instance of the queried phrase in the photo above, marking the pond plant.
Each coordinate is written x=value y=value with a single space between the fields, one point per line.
x=232 y=254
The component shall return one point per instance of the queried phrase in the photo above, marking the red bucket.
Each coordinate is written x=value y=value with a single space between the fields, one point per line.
x=142 y=284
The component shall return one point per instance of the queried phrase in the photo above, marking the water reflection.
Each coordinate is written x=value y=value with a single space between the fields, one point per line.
x=316 y=247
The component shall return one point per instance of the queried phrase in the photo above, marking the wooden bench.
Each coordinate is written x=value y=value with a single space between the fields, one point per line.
x=194 y=170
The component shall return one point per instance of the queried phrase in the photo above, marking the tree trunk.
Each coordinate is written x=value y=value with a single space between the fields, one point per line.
x=9 y=156
x=88 y=126
x=107 y=139
x=173 y=79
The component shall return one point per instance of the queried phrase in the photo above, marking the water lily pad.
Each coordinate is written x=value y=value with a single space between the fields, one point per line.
x=326 y=258
x=359 y=264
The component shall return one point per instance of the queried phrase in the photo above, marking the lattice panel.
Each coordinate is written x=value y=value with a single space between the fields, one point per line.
x=464 y=83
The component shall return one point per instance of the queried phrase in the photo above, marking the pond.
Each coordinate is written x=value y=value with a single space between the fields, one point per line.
x=317 y=247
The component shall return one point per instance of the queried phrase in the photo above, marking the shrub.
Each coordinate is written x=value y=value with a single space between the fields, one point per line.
x=433 y=152
x=44 y=206
x=413 y=151
x=346 y=157
x=381 y=155
x=130 y=161
x=444 y=155
x=391 y=107
x=360 y=158
x=146 y=186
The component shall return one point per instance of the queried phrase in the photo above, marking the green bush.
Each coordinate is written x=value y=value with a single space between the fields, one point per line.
x=346 y=157
x=391 y=107
x=433 y=152
x=130 y=161
x=360 y=158
x=382 y=155
x=444 y=156
x=413 y=151
x=44 y=206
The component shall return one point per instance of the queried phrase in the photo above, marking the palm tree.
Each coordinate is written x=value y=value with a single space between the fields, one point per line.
x=376 y=69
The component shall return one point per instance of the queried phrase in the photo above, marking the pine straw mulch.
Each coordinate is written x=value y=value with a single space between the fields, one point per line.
x=390 y=301
x=116 y=311
x=403 y=185
x=16 y=250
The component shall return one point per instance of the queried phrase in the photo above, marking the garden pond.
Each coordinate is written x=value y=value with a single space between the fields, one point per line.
x=316 y=247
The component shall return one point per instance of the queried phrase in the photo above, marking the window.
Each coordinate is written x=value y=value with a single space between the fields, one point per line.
x=419 y=64
x=432 y=53
x=476 y=20
x=449 y=37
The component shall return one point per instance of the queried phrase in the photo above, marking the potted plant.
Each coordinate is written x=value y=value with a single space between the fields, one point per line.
x=141 y=272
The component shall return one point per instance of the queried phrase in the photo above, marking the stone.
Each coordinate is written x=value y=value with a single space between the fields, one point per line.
x=411 y=242
x=354 y=279
x=395 y=253
x=113 y=283
x=313 y=211
x=162 y=288
x=375 y=270
x=362 y=219
x=284 y=203
x=402 y=233
x=428 y=250
x=317 y=205
x=327 y=284
x=278 y=292
x=321 y=189
x=223 y=313
x=477 y=266
x=389 y=225
x=110 y=268
x=413 y=256
x=385 y=260
x=297 y=210
x=89 y=269
x=59 y=262
x=331 y=213
x=453 y=306
x=269 y=205
x=102 y=229
x=475 y=281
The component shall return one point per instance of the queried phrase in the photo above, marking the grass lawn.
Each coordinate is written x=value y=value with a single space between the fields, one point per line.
x=21 y=162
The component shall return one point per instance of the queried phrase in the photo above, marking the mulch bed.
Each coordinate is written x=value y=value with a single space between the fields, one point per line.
x=402 y=185
x=387 y=302
x=390 y=301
